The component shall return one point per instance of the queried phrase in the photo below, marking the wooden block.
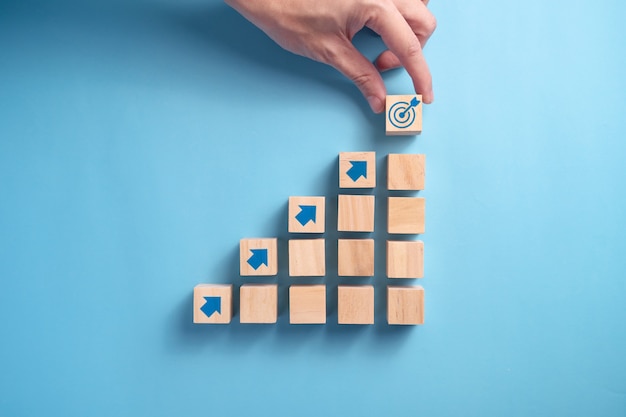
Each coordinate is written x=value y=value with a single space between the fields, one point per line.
x=212 y=303
x=258 y=256
x=405 y=305
x=355 y=257
x=405 y=259
x=406 y=215
x=355 y=304
x=307 y=304
x=404 y=115
x=307 y=258
x=307 y=214
x=406 y=171
x=258 y=303
x=355 y=213
x=357 y=170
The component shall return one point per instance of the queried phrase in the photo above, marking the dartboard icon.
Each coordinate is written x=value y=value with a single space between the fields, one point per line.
x=402 y=114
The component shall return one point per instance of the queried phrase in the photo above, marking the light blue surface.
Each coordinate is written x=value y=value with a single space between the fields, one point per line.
x=139 y=141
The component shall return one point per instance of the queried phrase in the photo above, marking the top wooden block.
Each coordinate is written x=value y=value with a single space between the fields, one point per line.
x=406 y=171
x=404 y=115
x=357 y=170
x=307 y=214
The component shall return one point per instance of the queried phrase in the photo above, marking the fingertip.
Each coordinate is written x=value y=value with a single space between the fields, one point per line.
x=387 y=61
x=376 y=104
x=429 y=97
x=363 y=74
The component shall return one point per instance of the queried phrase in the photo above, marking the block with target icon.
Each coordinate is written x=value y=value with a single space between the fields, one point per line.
x=212 y=303
x=357 y=170
x=403 y=115
x=258 y=256
x=406 y=171
x=307 y=214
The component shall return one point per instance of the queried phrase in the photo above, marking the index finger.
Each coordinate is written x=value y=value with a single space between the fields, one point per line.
x=388 y=22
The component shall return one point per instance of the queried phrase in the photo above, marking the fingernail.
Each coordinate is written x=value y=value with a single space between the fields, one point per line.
x=429 y=98
x=375 y=103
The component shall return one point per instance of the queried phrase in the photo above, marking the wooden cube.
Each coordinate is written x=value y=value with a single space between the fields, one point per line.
x=355 y=213
x=212 y=303
x=307 y=258
x=258 y=256
x=406 y=171
x=357 y=170
x=258 y=303
x=405 y=259
x=307 y=304
x=355 y=257
x=307 y=214
x=404 y=115
x=355 y=304
x=406 y=215
x=405 y=305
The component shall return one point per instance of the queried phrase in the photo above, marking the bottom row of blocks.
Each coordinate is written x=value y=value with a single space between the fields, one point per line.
x=212 y=303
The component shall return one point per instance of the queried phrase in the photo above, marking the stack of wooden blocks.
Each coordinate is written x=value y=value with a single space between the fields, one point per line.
x=355 y=256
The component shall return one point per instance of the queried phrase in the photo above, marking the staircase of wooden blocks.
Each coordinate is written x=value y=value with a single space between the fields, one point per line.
x=355 y=255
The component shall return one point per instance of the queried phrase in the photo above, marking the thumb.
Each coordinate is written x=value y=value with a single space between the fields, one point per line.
x=351 y=63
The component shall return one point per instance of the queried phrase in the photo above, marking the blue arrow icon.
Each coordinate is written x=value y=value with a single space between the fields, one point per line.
x=258 y=258
x=358 y=169
x=307 y=214
x=212 y=305
x=414 y=103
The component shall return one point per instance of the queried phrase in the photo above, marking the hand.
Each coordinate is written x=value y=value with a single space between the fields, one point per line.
x=323 y=30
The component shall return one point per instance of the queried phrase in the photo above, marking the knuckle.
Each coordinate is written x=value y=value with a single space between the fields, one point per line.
x=362 y=80
x=377 y=8
x=430 y=24
x=326 y=53
x=413 y=49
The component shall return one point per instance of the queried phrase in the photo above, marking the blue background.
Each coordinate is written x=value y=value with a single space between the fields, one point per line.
x=139 y=141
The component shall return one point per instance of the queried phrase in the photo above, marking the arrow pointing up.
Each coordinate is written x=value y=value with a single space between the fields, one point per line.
x=358 y=169
x=258 y=258
x=307 y=214
x=212 y=305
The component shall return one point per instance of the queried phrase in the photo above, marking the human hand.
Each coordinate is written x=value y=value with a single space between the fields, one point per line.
x=323 y=30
